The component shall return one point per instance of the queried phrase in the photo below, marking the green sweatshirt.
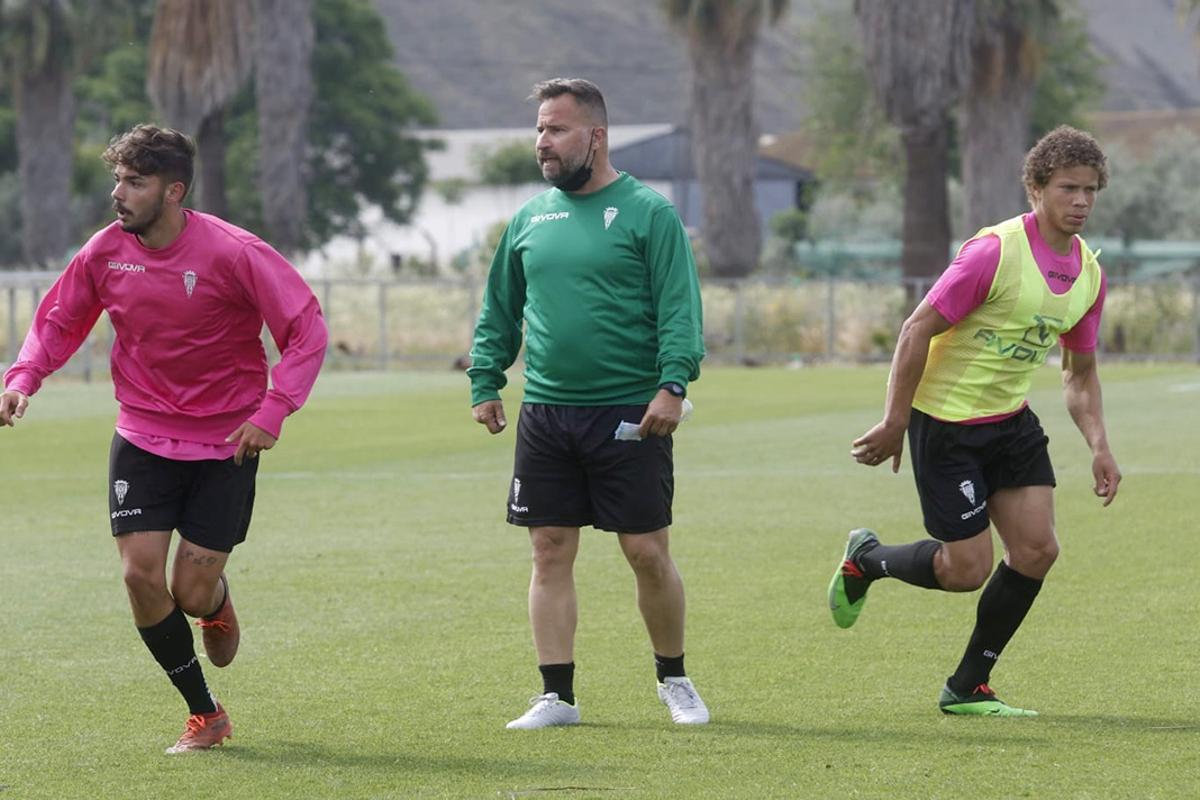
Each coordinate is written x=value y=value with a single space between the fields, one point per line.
x=606 y=287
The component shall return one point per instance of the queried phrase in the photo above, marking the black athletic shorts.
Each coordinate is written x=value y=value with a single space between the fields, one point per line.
x=958 y=467
x=570 y=471
x=209 y=501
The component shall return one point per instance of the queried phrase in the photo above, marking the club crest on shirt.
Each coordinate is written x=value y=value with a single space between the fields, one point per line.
x=189 y=282
x=610 y=214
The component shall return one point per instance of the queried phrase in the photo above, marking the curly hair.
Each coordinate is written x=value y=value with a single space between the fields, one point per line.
x=151 y=150
x=1062 y=148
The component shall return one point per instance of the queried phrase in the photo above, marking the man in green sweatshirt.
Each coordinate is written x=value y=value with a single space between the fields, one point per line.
x=599 y=272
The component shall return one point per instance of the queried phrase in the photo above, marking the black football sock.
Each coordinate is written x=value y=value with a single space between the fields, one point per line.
x=560 y=679
x=1003 y=605
x=669 y=667
x=911 y=563
x=170 y=642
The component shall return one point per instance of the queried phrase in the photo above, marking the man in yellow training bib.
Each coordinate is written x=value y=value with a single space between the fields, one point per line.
x=960 y=375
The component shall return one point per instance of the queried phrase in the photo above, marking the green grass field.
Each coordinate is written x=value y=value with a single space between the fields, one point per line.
x=385 y=642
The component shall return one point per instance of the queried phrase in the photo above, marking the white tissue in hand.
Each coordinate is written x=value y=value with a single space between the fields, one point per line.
x=628 y=431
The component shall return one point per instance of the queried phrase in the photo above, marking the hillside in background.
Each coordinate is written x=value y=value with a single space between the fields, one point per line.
x=478 y=58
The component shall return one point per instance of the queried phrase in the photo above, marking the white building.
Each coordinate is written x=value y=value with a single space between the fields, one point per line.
x=442 y=230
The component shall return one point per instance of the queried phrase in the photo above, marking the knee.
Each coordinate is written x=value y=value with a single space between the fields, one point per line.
x=649 y=562
x=196 y=599
x=1034 y=559
x=968 y=580
x=551 y=555
x=964 y=575
x=142 y=581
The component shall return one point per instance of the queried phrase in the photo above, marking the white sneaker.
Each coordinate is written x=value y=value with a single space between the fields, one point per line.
x=544 y=711
x=679 y=695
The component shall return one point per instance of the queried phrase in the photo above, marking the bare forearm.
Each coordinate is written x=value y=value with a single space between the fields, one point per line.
x=1081 y=390
x=908 y=365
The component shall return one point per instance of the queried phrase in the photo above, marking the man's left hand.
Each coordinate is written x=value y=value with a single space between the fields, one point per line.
x=251 y=441
x=662 y=415
x=1107 y=475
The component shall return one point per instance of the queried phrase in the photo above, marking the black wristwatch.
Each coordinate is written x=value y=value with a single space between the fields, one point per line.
x=674 y=388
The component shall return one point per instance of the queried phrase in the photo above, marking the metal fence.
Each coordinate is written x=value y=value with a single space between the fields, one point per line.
x=427 y=323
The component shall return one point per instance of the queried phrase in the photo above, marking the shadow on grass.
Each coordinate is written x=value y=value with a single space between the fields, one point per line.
x=1129 y=723
x=308 y=754
x=964 y=731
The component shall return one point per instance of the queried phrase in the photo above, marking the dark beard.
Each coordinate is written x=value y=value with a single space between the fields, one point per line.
x=577 y=179
x=137 y=229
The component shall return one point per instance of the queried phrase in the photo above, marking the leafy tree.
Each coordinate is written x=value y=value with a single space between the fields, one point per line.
x=1152 y=198
x=8 y=133
x=722 y=37
x=1070 y=80
x=10 y=205
x=111 y=98
x=112 y=94
x=856 y=152
x=849 y=135
x=509 y=164
x=360 y=152
x=786 y=228
x=451 y=190
x=43 y=45
x=855 y=216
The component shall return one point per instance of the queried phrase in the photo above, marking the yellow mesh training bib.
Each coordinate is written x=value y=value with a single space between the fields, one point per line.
x=983 y=365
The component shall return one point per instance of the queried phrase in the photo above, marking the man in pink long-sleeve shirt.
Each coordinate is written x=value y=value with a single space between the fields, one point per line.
x=187 y=294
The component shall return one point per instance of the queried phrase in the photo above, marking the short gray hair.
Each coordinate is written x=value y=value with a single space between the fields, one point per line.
x=586 y=93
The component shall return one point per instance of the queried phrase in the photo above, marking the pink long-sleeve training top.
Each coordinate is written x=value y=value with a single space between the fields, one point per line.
x=188 y=364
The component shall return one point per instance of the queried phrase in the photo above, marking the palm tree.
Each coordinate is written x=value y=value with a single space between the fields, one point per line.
x=283 y=83
x=1006 y=53
x=43 y=45
x=722 y=37
x=201 y=53
x=917 y=56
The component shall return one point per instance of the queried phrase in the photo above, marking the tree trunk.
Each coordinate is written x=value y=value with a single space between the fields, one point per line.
x=724 y=149
x=210 y=148
x=996 y=111
x=284 y=88
x=917 y=58
x=926 y=217
x=45 y=146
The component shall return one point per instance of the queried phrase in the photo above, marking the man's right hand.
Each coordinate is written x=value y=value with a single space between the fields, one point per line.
x=491 y=414
x=877 y=445
x=12 y=406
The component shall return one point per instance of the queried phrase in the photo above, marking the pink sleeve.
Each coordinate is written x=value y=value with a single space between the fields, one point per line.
x=1084 y=336
x=966 y=282
x=293 y=317
x=62 y=322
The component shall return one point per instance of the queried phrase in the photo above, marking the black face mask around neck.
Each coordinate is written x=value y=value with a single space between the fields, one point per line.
x=579 y=178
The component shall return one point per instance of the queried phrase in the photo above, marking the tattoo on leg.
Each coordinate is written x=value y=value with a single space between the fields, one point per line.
x=197 y=558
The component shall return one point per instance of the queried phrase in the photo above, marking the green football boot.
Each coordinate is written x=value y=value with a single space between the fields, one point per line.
x=982 y=702
x=849 y=581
